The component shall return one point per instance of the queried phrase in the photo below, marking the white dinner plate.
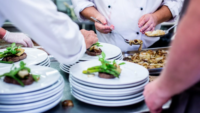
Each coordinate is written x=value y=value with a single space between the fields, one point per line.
x=29 y=106
x=108 y=103
x=131 y=73
x=34 y=98
x=44 y=62
x=30 y=94
x=106 y=97
x=110 y=50
x=48 y=76
x=47 y=64
x=34 y=56
x=65 y=70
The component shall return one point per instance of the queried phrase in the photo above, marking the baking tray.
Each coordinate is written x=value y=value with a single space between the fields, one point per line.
x=151 y=71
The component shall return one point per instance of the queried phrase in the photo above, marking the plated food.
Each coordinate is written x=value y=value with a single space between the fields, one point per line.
x=136 y=42
x=20 y=76
x=155 y=33
x=107 y=69
x=12 y=54
x=94 y=50
x=149 y=59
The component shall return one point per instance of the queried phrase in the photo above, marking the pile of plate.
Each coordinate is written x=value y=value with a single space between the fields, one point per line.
x=35 y=98
x=122 y=91
x=34 y=57
x=112 y=53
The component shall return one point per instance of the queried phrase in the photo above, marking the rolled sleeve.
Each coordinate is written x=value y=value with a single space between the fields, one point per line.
x=80 y=5
x=174 y=6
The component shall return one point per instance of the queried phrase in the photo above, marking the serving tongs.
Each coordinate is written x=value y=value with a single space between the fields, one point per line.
x=125 y=40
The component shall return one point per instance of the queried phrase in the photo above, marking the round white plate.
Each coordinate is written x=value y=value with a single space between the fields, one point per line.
x=106 y=91
x=30 y=94
x=29 y=106
x=105 y=97
x=48 y=76
x=34 y=98
x=119 y=56
x=131 y=73
x=34 y=56
x=65 y=70
x=110 y=50
x=108 y=103
x=44 y=62
x=109 y=87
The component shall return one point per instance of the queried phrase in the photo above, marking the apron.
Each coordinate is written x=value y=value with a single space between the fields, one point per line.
x=189 y=100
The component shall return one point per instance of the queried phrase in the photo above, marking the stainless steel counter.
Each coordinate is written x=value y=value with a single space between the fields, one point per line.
x=80 y=107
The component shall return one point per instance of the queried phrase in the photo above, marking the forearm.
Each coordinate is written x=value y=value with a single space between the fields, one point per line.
x=90 y=12
x=182 y=68
x=163 y=14
x=2 y=33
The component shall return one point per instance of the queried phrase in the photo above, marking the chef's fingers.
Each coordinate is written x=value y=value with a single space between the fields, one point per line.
x=146 y=26
x=107 y=31
x=144 y=20
x=150 y=28
x=23 y=43
x=28 y=42
x=102 y=19
x=141 y=18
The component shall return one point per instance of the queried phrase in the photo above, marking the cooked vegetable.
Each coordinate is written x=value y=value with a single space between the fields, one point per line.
x=106 y=67
x=20 y=73
x=12 y=50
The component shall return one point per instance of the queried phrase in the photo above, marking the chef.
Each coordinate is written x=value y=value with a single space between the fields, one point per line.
x=18 y=38
x=53 y=30
x=180 y=79
x=129 y=18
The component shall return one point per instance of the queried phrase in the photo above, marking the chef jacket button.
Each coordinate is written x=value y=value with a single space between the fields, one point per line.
x=141 y=8
x=109 y=6
x=137 y=33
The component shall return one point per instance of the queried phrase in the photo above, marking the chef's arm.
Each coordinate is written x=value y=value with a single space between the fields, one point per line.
x=53 y=30
x=90 y=12
x=163 y=14
x=2 y=33
x=182 y=68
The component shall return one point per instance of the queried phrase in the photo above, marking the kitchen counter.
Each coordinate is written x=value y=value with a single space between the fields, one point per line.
x=80 y=107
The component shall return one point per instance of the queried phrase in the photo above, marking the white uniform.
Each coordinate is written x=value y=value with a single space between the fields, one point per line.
x=55 y=31
x=124 y=15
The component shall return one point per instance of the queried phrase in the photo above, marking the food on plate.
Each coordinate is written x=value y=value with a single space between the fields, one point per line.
x=107 y=69
x=94 y=50
x=155 y=33
x=149 y=59
x=67 y=103
x=20 y=76
x=13 y=54
x=136 y=42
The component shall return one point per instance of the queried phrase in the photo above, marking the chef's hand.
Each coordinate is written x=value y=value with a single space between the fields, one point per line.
x=155 y=98
x=90 y=37
x=18 y=38
x=105 y=29
x=147 y=22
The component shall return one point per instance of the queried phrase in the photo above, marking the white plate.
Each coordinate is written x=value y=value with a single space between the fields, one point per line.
x=30 y=94
x=107 y=103
x=34 y=56
x=35 y=97
x=44 y=62
x=67 y=68
x=48 y=76
x=29 y=106
x=131 y=73
x=48 y=64
x=110 y=50
x=106 y=91
x=63 y=69
x=105 y=97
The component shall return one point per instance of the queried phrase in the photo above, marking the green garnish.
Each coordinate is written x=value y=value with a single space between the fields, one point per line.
x=7 y=62
x=12 y=50
x=14 y=73
x=97 y=44
x=106 y=67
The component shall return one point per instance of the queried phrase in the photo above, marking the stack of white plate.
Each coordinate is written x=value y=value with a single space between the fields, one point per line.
x=112 y=53
x=34 y=57
x=35 y=98
x=122 y=91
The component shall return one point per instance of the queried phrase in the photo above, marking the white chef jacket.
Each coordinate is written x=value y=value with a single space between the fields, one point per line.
x=55 y=31
x=124 y=15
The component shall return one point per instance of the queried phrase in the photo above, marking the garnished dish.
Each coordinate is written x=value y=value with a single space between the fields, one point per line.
x=149 y=59
x=94 y=50
x=155 y=33
x=12 y=54
x=136 y=42
x=20 y=76
x=107 y=69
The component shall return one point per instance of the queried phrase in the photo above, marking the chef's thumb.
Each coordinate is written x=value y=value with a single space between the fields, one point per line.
x=103 y=21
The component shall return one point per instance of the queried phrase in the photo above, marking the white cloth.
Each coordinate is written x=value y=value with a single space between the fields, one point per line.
x=53 y=30
x=124 y=15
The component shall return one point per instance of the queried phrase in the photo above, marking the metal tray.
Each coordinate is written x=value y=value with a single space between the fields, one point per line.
x=151 y=71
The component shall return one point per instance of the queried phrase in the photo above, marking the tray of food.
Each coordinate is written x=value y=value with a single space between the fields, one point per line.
x=153 y=59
